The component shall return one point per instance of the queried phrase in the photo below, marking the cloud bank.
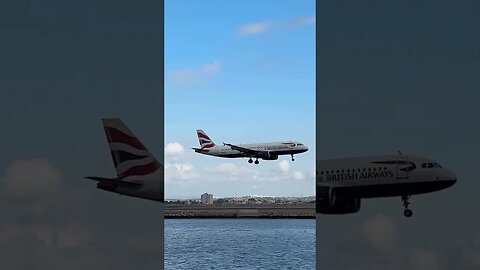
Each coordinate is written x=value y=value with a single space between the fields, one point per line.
x=29 y=179
x=381 y=232
x=263 y=27
x=194 y=76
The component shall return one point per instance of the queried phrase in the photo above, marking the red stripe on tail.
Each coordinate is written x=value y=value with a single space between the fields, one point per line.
x=116 y=136
x=201 y=135
x=208 y=145
x=141 y=170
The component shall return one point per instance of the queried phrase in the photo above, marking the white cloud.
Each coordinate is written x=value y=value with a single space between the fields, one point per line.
x=233 y=172
x=224 y=168
x=179 y=171
x=381 y=232
x=304 y=20
x=174 y=149
x=184 y=76
x=47 y=235
x=49 y=248
x=255 y=28
x=262 y=27
x=297 y=175
x=28 y=179
x=71 y=238
x=284 y=166
x=423 y=260
x=193 y=76
x=210 y=69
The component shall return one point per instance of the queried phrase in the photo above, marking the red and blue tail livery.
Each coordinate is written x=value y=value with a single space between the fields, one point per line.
x=139 y=174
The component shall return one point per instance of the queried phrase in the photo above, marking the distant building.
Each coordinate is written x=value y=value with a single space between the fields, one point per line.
x=207 y=198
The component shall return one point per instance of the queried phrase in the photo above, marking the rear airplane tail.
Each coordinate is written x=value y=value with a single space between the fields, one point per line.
x=133 y=162
x=205 y=141
x=139 y=174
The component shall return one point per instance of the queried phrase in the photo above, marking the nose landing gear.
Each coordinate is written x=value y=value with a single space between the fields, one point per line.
x=293 y=158
x=407 y=212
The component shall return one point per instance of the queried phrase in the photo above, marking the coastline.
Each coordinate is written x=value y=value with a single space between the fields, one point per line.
x=270 y=211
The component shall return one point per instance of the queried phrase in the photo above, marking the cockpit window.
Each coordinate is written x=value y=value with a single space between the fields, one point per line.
x=431 y=165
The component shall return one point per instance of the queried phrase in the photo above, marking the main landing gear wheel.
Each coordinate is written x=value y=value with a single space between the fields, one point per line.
x=256 y=161
x=407 y=212
x=250 y=160
x=293 y=158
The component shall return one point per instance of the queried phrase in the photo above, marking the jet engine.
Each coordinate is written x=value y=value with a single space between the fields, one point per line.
x=265 y=155
x=328 y=202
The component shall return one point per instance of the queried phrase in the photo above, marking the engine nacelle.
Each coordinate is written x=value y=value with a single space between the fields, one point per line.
x=265 y=155
x=329 y=203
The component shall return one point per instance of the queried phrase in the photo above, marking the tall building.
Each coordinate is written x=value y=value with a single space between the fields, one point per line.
x=207 y=198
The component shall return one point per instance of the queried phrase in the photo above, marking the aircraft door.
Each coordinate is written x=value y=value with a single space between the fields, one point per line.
x=402 y=167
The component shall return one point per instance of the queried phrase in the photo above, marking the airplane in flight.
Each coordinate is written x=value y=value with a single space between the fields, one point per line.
x=265 y=151
x=139 y=174
x=343 y=182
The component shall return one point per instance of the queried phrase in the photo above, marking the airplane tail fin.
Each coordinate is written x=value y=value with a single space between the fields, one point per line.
x=133 y=162
x=205 y=141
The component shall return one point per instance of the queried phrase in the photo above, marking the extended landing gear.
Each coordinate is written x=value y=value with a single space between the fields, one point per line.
x=293 y=158
x=407 y=212
x=251 y=161
x=256 y=161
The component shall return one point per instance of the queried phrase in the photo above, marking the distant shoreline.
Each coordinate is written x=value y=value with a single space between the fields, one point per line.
x=265 y=211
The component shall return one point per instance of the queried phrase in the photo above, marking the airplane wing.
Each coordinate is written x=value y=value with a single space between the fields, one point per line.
x=243 y=149
x=114 y=181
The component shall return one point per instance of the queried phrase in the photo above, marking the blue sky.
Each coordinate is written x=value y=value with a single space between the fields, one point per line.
x=243 y=72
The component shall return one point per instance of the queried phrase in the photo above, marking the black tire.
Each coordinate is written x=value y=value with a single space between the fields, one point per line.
x=256 y=162
x=250 y=161
x=407 y=212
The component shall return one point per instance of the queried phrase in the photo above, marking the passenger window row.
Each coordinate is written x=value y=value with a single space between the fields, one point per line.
x=354 y=170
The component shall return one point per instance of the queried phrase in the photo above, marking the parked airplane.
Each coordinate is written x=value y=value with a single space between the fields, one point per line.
x=265 y=151
x=139 y=174
x=342 y=183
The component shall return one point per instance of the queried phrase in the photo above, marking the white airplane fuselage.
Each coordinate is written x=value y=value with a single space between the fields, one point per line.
x=343 y=182
x=266 y=151
x=275 y=149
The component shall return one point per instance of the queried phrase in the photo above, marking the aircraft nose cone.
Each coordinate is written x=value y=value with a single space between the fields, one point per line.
x=450 y=176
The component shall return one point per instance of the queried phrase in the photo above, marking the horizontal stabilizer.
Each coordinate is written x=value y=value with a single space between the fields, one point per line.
x=199 y=150
x=114 y=181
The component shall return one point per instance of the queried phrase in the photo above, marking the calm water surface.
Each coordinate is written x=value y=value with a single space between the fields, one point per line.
x=239 y=244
